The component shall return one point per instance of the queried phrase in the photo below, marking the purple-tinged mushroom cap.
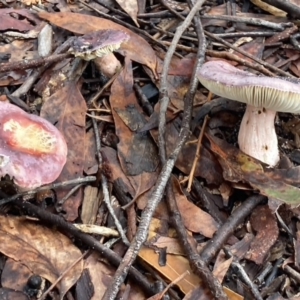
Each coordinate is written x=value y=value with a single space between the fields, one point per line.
x=263 y=96
x=32 y=150
x=98 y=43
x=98 y=46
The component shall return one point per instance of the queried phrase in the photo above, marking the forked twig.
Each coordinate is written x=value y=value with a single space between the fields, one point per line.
x=164 y=176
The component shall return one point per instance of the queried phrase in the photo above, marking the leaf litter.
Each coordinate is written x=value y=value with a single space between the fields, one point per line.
x=126 y=162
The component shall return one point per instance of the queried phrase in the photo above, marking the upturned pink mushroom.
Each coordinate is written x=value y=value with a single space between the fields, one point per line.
x=32 y=150
x=263 y=95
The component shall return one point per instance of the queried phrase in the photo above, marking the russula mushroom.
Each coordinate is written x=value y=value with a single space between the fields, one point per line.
x=263 y=95
x=98 y=46
x=32 y=150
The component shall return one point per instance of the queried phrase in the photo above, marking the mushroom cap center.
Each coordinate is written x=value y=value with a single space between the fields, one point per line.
x=32 y=138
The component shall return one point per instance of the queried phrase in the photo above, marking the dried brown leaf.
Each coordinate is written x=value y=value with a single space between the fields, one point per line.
x=24 y=22
x=100 y=273
x=101 y=276
x=113 y=170
x=202 y=293
x=90 y=160
x=15 y=275
x=66 y=109
x=255 y=48
x=43 y=251
x=136 y=49
x=15 y=50
x=238 y=166
x=171 y=244
x=8 y=294
x=221 y=266
x=207 y=166
x=136 y=150
x=175 y=266
x=297 y=248
x=264 y=223
x=131 y=7
x=194 y=218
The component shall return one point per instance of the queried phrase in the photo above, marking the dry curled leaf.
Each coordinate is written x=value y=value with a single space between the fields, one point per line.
x=136 y=48
x=66 y=108
x=43 y=251
x=264 y=223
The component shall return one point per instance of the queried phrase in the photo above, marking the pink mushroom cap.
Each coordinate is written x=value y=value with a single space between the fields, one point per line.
x=32 y=150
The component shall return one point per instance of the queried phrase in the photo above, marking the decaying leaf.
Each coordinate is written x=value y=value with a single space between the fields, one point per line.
x=10 y=294
x=43 y=251
x=24 y=22
x=66 y=108
x=101 y=276
x=175 y=266
x=221 y=266
x=207 y=166
x=238 y=166
x=13 y=51
x=137 y=187
x=264 y=222
x=131 y=7
x=194 y=218
x=90 y=163
x=114 y=172
x=201 y=293
x=136 y=48
x=136 y=150
x=255 y=48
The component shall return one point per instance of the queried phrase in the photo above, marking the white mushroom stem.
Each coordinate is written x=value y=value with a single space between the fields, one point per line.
x=108 y=64
x=257 y=136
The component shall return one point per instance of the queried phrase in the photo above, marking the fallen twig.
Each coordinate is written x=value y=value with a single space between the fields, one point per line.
x=104 y=184
x=226 y=230
x=164 y=176
x=70 y=229
x=265 y=64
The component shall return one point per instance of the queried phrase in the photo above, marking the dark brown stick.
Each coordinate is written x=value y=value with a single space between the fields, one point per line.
x=265 y=64
x=32 y=63
x=216 y=243
x=66 y=227
x=252 y=21
x=164 y=176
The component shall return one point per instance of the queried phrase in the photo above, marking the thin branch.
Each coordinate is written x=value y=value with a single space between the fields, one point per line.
x=32 y=63
x=70 y=230
x=49 y=187
x=244 y=276
x=226 y=230
x=265 y=64
x=252 y=21
x=104 y=184
x=62 y=275
x=27 y=84
x=197 y=264
x=163 y=178
x=291 y=8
